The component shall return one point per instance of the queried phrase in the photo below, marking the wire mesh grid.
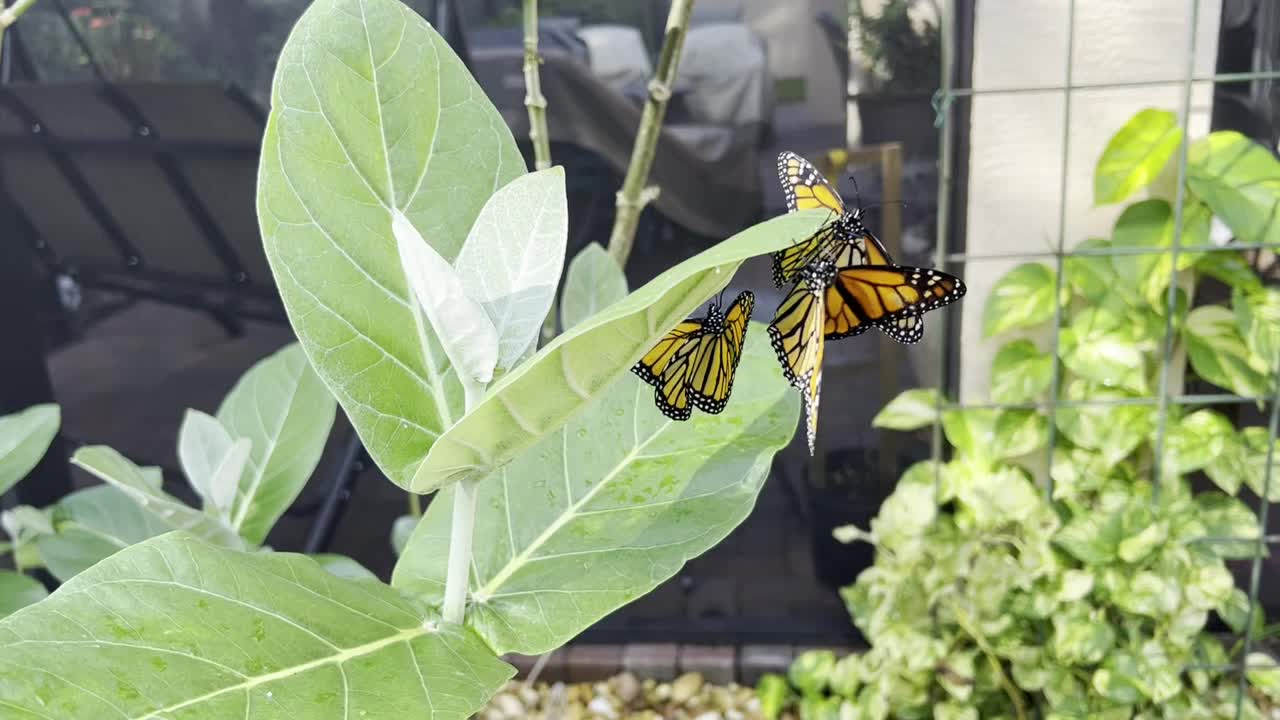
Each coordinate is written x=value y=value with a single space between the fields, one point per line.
x=1166 y=396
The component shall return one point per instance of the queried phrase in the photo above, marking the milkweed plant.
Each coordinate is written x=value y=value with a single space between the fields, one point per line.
x=417 y=260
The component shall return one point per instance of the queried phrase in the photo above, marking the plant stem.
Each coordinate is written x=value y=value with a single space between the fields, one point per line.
x=415 y=504
x=457 y=582
x=634 y=195
x=533 y=98
x=10 y=15
x=1015 y=695
x=458 y=577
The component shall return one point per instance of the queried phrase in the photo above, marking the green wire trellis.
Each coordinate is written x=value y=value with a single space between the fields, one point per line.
x=943 y=102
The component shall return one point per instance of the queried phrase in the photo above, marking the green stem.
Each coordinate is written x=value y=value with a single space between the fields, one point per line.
x=461 y=534
x=415 y=504
x=533 y=98
x=634 y=195
x=10 y=15
x=457 y=580
x=1015 y=695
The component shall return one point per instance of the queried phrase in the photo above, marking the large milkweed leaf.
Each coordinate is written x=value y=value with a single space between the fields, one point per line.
x=511 y=261
x=177 y=628
x=372 y=112
x=571 y=372
x=18 y=591
x=286 y=412
x=614 y=502
x=24 y=438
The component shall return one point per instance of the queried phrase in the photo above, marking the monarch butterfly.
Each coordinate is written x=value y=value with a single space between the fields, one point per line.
x=845 y=240
x=829 y=303
x=694 y=364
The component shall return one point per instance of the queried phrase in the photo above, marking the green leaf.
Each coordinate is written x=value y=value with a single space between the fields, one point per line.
x=1139 y=545
x=569 y=374
x=1135 y=155
x=1196 y=441
x=1219 y=354
x=112 y=467
x=593 y=283
x=1227 y=518
x=372 y=112
x=18 y=591
x=1092 y=538
x=971 y=431
x=204 y=445
x=1150 y=595
x=1258 y=318
x=774 y=694
x=1081 y=638
x=459 y=321
x=1104 y=348
x=175 y=627
x=284 y=409
x=1229 y=267
x=1253 y=462
x=598 y=513
x=1240 y=180
x=1024 y=297
x=846 y=676
x=1234 y=611
x=1114 y=431
x=513 y=256
x=93 y=524
x=343 y=567
x=1019 y=432
x=811 y=671
x=1020 y=373
x=1092 y=275
x=401 y=530
x=1264 y=674
x=910 y=410
x=1119 y=679
x=1149 y=225
x=24 y=438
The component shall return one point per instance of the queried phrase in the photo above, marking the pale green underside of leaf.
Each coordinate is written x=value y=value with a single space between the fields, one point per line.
x=178 y=629
x=513 y=256
x=570 y=373
x=372 y=111
x=92 y=524
x=593 y=282
x=601 y=511
x=24 y=438
x=284 y=409
x=113 y=468
x=1240 y=181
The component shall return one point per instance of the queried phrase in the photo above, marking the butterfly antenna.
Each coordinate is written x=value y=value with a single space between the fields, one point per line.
x=857 y=196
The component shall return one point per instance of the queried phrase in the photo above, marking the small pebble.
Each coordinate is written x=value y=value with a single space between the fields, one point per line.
x=685 y=687
x=601 y=707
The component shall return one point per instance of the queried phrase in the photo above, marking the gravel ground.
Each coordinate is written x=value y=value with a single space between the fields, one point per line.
x=624 y=697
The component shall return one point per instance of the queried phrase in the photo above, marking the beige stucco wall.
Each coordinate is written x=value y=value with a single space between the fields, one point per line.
x=797 y=48
x=1015 y=164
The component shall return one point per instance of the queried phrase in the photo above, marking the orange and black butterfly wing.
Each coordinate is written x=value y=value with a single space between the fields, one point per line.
x=805 y=189
x=884 y=295
x=716 y=360
x=796 y=334
x=860 y=246
x=655 y=362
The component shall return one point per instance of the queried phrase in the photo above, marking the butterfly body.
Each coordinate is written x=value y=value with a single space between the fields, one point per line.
x=693 y=365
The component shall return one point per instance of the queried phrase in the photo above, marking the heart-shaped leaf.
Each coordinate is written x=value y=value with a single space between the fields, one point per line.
x=373 y=113
x=567 y=375
x=1240 y=181
x=599 y=512
x=1135 y=155
x=260 y=635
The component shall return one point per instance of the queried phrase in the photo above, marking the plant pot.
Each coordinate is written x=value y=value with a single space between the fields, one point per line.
x=907 y=119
